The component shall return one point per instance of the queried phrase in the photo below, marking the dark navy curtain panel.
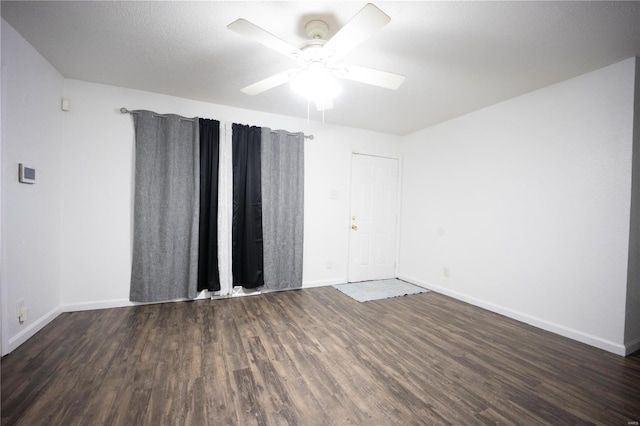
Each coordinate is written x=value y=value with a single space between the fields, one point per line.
x=166 y=207
x=208 y=275
x=247 y=248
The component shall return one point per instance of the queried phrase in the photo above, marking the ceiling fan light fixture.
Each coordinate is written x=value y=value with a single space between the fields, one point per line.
x=316 y=83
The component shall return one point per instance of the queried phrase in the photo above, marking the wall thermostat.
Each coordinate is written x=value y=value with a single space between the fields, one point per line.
x=26 y=174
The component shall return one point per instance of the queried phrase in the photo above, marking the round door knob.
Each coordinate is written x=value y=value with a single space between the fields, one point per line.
x=354 y=227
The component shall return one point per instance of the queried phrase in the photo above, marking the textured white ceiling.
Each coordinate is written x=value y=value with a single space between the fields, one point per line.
x=457 y=56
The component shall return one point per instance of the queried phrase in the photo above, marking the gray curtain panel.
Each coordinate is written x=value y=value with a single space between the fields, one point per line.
x=282 y=162
x=167 y=187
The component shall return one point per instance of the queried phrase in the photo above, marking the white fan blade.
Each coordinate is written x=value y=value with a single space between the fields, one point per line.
x=324 y=104
x=385 y=79
x=366 y=22
x=254 y=32
x=269 y=83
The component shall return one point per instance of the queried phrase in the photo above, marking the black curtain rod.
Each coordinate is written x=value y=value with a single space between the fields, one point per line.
x=123 y=110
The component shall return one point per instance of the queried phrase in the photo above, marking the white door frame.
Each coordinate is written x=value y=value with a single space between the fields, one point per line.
x=398 y=209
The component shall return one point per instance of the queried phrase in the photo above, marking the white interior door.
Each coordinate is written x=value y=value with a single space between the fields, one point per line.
x=372 y=242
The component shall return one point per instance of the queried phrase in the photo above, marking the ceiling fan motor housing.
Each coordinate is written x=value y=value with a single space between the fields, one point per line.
x=317 y=29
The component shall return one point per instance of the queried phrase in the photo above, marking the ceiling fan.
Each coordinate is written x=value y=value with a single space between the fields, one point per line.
x=318 y=58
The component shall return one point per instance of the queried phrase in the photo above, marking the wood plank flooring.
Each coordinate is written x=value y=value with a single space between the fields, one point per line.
x=311 y=357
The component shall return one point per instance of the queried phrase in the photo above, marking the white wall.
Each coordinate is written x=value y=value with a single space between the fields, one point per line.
x=632 y=323
x=527 y=203
x=30 y=214
x=97 y=194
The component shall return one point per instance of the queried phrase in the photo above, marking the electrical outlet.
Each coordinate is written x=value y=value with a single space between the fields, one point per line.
x=21 y=312
x=445 y=272
x=24 y=315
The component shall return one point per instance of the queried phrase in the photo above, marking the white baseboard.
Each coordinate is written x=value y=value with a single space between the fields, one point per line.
x=322 y=283
x=632 y=346
x=32 y=329
x=586 y=338
x=121 y=303
x=102 y=304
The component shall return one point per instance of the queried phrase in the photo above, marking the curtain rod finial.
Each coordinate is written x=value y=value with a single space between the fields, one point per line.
x=123 y=110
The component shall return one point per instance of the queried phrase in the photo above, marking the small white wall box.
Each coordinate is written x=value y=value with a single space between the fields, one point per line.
x=26 y=174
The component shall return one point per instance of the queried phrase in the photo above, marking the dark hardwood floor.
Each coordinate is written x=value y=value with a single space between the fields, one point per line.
x=311 y=357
